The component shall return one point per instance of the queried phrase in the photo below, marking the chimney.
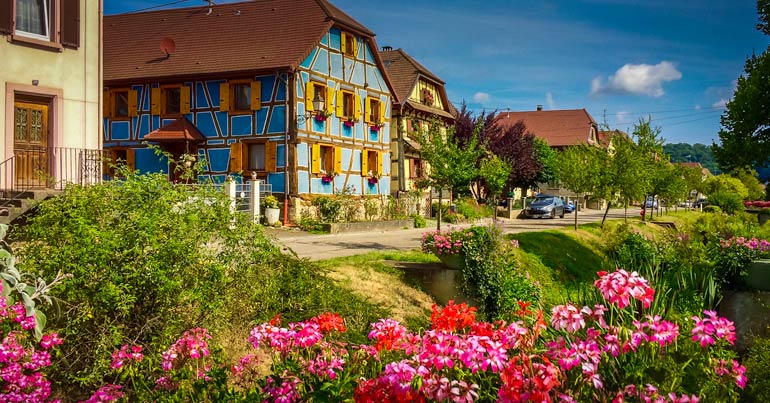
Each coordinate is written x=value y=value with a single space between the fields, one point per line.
x=539 y=108
x=387 y=48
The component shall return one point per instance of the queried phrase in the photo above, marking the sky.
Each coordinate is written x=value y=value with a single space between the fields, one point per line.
x=675 y=61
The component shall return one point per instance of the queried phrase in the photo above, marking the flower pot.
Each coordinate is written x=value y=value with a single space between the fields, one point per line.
x=373 y=181
x=320 y=118
x=456 y=262
x=349 y=123
x=375 y=128
x=271 y=215
x=758 y=277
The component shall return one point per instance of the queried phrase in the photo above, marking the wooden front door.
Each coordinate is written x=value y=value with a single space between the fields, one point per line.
x=30 y=144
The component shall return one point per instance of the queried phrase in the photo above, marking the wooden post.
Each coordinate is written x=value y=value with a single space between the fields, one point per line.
x=255 y=208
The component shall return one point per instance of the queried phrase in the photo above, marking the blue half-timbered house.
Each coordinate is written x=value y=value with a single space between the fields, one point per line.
x=290 y=91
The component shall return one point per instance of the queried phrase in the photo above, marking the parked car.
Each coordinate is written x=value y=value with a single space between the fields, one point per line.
x=651 y=203
x=701 y=202
x=569 y=207
x=545 y=207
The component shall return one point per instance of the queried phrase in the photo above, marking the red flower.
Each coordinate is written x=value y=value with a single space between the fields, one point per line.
x=453 y=317
x=330 y=321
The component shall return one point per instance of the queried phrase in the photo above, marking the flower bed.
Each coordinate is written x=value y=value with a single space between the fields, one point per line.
x=615 y=352
x=449 y=242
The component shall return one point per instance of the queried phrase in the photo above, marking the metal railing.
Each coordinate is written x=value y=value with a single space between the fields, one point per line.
x=51 y=168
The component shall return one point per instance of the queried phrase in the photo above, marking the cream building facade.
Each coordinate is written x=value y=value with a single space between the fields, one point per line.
x=50 y=111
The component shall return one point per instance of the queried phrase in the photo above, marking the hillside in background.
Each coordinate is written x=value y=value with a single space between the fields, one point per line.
x=683 y=152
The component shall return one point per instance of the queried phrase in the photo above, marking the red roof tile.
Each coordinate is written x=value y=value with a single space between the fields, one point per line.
x=558 y=128
x=180 y=129
x=247 y=37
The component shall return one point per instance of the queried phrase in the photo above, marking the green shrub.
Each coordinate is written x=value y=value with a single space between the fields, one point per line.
x=757 y=363
x=469 y=208
x=728 y=202
x=149 y=260
x=329 y=208
x=419 y=221
x=434 y=209
x=309 y=224
x=712 y=209
x=453 y=218
x=270 y=202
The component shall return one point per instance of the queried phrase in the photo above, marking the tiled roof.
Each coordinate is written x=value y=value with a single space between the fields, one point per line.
x=605 y=136
x=180 y=129
x=404 y=71
x=246 y=37
x=690 y=164
x=558 y=128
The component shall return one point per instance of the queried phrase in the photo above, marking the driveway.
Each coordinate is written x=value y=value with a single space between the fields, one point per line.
x=320 y=247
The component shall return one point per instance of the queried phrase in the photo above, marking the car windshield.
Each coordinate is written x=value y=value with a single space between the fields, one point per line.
x=542 y=201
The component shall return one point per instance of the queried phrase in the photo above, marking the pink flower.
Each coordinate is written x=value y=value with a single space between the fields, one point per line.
x=569 y=317
x=50 y=340
x=712 y=327
x=132 y=353
x=107 y=393
x=620 y=286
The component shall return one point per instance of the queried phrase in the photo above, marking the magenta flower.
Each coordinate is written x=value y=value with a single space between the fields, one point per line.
x=620 y=287
x=712 y=327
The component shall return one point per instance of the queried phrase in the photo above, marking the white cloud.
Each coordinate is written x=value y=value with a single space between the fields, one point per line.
x=721 y=103
x=549 y=100
x=481 y=97
x=621 y=117
x=697 y=107
x=638 y=79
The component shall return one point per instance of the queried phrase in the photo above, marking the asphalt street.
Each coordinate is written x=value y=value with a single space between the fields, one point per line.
x=320 y=247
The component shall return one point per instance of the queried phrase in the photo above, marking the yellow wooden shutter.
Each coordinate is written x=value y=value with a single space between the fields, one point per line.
x=340 y=104
x=357 y=109
x=271 y=156
x=236 y=157
x=224 y=97
x=330 y=100
x=309 y=92
x=343 y=43
x=133 y=103
x=364 y=162
x=131 y=159
x=315 y=159
x=256 y=95
x=382 y=113
x=367 y=110
x=338 y=160
x=184 y=100
x=155 y=101
x=379 y=163
x=411 y=168
x=107 y=104
x=354 y=52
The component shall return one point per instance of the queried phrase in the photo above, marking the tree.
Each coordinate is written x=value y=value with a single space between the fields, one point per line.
x=451 y=164
x=745 y=132
x=579 y=170
x=725 y=184
x=517 y=147
x=549 y=162
x=748 y=177
x=494 y=172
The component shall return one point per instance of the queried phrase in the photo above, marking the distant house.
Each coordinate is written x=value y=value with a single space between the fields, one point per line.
x=559 y=128
x=419 y=98
x=50 y=55
x=289 y=91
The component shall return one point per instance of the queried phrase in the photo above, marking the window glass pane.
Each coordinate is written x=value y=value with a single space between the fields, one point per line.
x=172 y=100
x=32 y=16
x=347 y=108
x=121 y=104
x=319 y=92
x=257 y=157
x=374 y=107
x=242 y=94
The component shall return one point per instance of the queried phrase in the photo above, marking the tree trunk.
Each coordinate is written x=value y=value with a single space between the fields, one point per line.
x=438 y=214
x=607 y=210
x=625 y=210
x=577 y=208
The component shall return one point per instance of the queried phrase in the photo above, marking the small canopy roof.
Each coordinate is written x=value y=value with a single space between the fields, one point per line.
x=179 y=130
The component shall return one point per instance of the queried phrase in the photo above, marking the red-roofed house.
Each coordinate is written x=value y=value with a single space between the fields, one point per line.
x=559 y=128
x=292 y=91
x=419 y=98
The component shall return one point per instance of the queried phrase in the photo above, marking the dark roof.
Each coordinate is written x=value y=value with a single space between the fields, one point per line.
x=180 y=129
x=605 y=136
x=558 y=128
x=244 y=37
x=404 y=72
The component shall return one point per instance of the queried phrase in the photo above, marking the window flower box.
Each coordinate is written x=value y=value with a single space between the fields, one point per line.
x=321 y=116
x=377 y=126
x=373 y=180
x=349 y=123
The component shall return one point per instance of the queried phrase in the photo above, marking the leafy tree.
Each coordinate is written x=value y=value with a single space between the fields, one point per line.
x=494 y=172
x=451 y=164
x=745 y=133
x=725 y=184
x=579 y=170
x=548 y=160
x=517 y=147
x=748 y=177
x=701 y=153
x=628 y=170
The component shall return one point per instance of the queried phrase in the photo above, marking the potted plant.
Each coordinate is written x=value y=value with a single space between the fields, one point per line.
x=377 y=126
x=374 y=178
x=327 y=177
x=427 y=97
x=349 y=122
x=272 y=212
x=322 y=115
x=447 y=246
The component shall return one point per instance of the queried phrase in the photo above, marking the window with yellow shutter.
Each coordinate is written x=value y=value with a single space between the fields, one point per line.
x=119 y=103
x=348 y=44
x=171 y=100
x=348 y=109
x=243 y=96
x=374 y=112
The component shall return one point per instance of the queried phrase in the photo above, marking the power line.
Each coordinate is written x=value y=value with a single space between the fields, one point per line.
x=154 y=7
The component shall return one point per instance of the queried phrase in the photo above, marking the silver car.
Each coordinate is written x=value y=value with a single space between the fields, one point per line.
x=545 y=207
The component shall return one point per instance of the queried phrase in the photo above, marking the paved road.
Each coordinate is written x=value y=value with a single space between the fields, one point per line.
x=319 y=247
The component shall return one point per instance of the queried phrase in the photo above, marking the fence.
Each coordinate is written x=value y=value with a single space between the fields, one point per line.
x=246 y=197
x=50 y=168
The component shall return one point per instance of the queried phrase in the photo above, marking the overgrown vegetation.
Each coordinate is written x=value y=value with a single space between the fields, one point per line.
x=149 y=259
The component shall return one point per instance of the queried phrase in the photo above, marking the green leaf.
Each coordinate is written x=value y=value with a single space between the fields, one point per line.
x=40 y=321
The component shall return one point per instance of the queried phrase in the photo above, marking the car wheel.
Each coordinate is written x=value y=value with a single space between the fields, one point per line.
x=562 y=214
x=553 y=214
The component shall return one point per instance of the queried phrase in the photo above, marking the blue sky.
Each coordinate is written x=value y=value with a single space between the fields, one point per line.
x=674 y=60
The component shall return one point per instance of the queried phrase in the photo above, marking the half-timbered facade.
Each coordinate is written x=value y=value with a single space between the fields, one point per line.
x=288 y=91
x=419 y=99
